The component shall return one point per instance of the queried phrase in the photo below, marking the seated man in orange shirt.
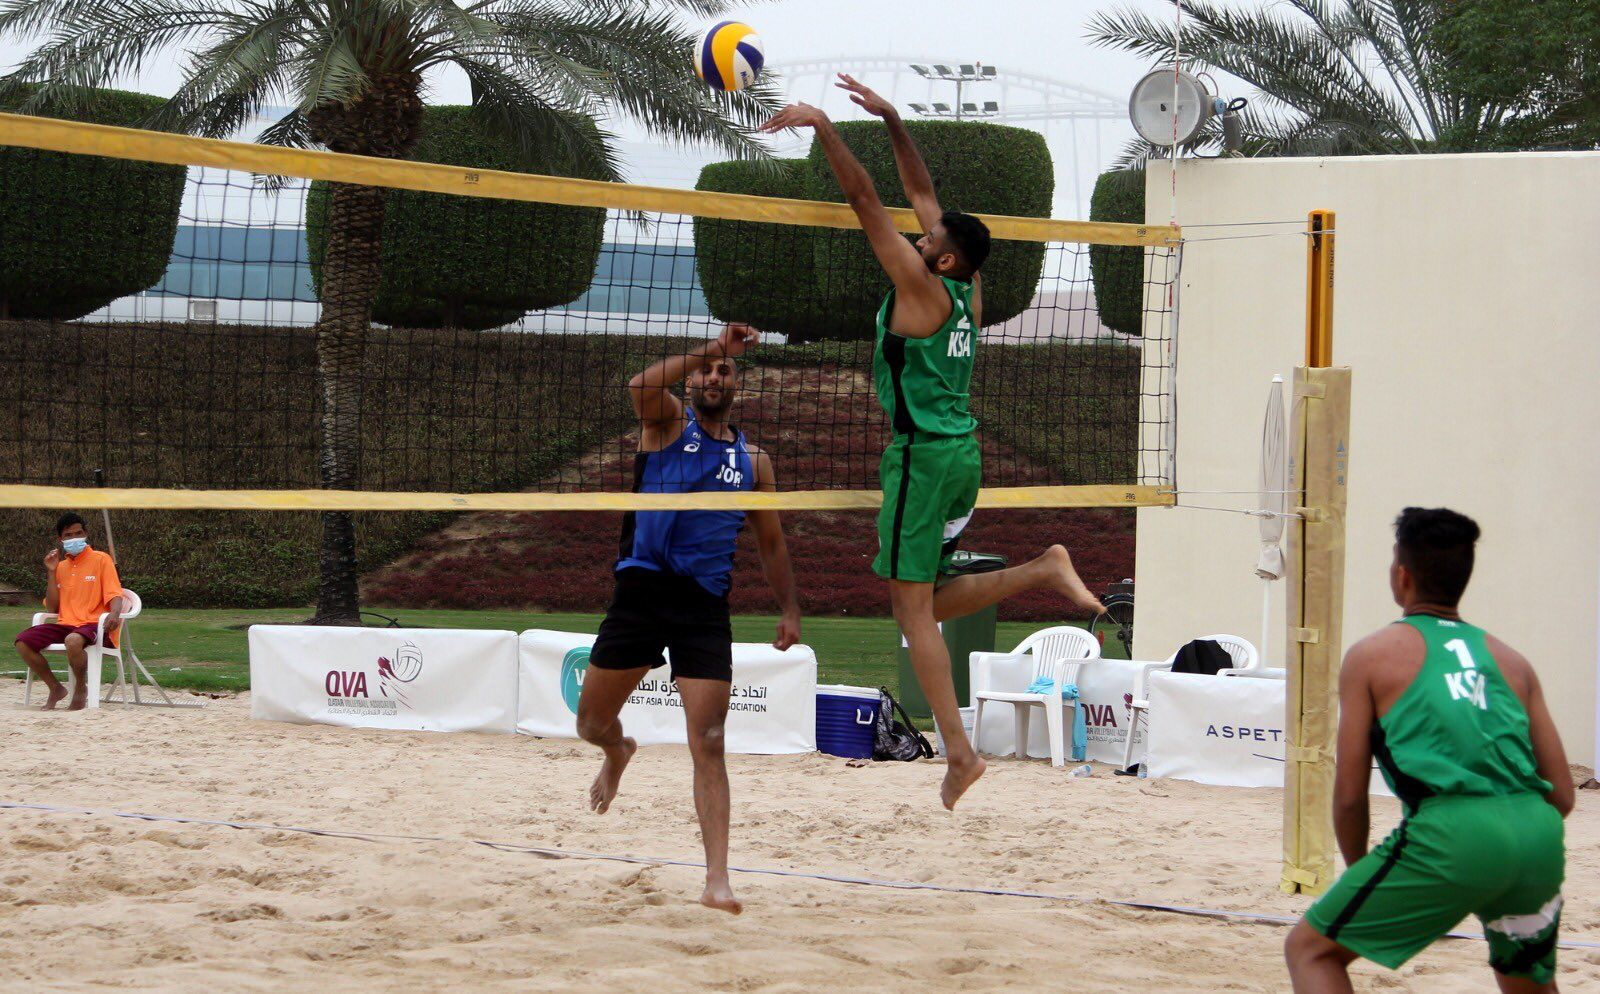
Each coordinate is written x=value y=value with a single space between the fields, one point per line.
x=82 y=585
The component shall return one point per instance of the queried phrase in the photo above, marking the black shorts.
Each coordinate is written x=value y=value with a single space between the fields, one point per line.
x=653 y=611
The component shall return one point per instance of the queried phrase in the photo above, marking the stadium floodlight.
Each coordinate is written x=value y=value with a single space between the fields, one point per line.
x=921 y=108
x=961 y=75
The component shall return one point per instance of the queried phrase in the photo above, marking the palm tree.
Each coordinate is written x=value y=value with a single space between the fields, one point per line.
x=1332 y=77
x=354 y=72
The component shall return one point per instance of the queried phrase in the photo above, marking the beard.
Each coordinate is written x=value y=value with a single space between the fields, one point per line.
x=718 y=407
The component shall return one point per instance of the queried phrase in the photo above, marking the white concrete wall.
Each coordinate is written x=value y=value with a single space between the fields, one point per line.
x=1467 y=302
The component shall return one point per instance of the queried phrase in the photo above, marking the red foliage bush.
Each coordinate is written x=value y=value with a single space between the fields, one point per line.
x=563 y=561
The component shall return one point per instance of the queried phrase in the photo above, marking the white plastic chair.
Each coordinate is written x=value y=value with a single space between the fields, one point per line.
x=1241 y=651
x=1059 y=655
x=1246 y=662
x=96 y=653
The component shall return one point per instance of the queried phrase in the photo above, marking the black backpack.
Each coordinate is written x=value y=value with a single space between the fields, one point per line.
x=1202 y=656
x=895 y=737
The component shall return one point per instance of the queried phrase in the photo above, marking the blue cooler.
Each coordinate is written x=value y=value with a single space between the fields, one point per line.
x=846 y=720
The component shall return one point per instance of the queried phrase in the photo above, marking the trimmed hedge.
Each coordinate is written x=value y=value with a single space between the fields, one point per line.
x=758 y=273
x=1118 y=270
x=79 y=231
x=977 y=168
x=471 y=262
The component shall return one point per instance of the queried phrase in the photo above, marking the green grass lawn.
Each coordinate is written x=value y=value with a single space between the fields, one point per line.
x=208 y=650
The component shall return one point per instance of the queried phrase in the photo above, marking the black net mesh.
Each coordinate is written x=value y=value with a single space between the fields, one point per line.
x=201 y=328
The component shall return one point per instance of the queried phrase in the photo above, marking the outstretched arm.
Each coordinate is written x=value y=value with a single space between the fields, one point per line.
x=914 y=175
x=775 y=556
x=921 y=304
x=654 y=403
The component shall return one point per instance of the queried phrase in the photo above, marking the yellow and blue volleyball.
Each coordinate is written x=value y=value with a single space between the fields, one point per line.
x=729 y=56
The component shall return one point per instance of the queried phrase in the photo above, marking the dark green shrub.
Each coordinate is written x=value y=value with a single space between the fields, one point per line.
x=977 y=168
x=758 y=273
x=79 y=231
x=1118 y=270
x=471 y=262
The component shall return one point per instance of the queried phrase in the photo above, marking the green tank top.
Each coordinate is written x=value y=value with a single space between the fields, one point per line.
x=922 y=382
x=1459 y=728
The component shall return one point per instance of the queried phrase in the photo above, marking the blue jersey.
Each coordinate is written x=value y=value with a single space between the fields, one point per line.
x=696 y=544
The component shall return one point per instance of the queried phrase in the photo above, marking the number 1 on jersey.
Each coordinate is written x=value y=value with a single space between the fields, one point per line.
x=1468 y=684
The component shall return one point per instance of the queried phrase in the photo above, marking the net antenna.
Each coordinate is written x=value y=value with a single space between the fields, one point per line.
x=127 y=683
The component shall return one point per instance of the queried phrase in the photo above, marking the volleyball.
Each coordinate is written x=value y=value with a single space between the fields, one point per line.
x=729 y=55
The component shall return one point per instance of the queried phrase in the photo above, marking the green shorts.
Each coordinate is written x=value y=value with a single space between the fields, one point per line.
x=1500 y=858
x=930 y=485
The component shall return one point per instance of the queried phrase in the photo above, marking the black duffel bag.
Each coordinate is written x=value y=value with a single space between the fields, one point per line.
x=895 y=737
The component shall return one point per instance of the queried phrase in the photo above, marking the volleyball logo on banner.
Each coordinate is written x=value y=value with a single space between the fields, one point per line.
x=573 y=666
x=404 y=668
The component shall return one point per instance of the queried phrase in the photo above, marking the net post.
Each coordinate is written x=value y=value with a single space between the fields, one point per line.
x=1319 y=461
x=1319 y=288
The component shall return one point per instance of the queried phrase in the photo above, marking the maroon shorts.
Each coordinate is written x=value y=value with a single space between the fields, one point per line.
x=41 y=637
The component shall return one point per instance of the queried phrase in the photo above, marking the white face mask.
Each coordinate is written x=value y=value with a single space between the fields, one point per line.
x=73 y=546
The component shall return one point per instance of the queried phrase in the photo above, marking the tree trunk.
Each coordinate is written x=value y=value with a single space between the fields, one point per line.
x=350 y=271
x=382 y=122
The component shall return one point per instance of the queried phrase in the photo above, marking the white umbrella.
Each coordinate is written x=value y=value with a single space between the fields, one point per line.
x=1274 y=502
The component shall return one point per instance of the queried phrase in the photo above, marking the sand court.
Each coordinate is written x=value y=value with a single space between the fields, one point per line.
x=88 y=901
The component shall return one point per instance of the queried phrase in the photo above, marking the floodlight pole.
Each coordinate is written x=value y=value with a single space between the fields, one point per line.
x=944 y=74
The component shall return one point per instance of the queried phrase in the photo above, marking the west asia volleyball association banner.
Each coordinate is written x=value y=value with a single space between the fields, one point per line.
x=410 y=678
x=773 y=708
x=1104 y=689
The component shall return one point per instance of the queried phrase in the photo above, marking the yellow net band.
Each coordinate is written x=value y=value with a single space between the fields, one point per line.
x=53 y=135
x=358 y=500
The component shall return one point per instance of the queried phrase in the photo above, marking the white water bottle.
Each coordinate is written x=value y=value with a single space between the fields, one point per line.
x=1083 y=771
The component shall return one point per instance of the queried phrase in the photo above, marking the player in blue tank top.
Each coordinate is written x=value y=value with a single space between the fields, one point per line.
x=673 y=573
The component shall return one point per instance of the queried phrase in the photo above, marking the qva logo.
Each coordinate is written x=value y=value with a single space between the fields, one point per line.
x=352 y=685
x=573 y=666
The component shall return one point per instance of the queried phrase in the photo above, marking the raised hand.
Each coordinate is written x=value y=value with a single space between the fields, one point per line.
x=51 y=558
x=736 y=338
x=795 y=115
x=864 y=97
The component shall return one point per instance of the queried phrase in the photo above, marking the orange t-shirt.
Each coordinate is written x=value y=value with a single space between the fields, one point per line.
x=87 y=583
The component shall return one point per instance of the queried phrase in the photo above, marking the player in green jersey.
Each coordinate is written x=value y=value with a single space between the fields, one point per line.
x=1459 y=727
x=927 y=338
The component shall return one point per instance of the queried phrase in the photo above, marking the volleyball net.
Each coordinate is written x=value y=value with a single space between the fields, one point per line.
x=176 y=314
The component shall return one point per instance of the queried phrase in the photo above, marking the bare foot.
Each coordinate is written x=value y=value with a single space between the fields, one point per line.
x=1068 y=583
x=57 y=695
x=958 y=776
x=719 y=896
x=604 y=789
x=80 y=697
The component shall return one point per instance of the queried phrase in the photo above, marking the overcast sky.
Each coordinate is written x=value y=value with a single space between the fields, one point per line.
x=1039 y=36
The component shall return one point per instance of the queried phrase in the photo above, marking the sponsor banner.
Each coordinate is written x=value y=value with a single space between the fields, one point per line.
x=412 y=678
x=1220 y=730
x=1217 y=730
x=773 y=707
x=1105 y=688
